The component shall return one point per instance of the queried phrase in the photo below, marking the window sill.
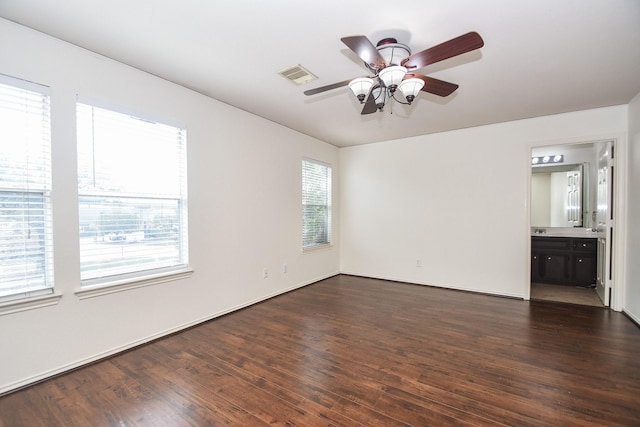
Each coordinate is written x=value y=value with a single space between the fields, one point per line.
x=125 y=285
x=316 y=248
x=29 y=303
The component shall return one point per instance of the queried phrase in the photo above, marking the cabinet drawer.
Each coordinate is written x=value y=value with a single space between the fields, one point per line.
x=589 y=245
x=559 y=243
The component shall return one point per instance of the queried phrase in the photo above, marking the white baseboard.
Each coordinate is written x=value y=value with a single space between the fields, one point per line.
x=435 y=285
x=632 y=316
x=111 y=352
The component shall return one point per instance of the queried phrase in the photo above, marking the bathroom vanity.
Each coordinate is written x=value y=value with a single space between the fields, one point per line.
x=564 y=260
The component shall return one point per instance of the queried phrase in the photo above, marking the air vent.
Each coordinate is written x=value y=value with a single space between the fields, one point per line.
x=297 y=74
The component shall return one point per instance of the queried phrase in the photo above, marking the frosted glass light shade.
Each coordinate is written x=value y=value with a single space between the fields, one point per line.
x=380 y=97
x=393 y=53
x=361 y=87
x=392 y=76
x=410 y=88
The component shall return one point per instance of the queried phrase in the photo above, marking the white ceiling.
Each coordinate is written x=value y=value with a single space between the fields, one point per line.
x=540 y=57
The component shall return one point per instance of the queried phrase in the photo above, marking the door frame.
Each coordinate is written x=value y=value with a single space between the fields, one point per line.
x=620 y=179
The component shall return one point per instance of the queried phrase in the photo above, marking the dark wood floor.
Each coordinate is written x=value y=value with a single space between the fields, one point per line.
x=353 y=351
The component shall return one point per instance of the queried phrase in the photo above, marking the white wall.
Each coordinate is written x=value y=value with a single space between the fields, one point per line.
x=632 y=294
x=244 y=213
x=457 y=201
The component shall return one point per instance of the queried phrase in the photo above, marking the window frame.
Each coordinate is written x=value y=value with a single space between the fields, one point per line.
x=313 y=246
x=142 y=276
x=39 y=185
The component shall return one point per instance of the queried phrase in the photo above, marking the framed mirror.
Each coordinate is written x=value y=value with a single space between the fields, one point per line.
x=557 y=195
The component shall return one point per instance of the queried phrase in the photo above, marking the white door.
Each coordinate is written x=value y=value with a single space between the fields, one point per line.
x=604 y=221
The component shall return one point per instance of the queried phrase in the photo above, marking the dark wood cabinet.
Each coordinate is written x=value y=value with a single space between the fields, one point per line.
x=584 y=268
x=564 y=260
x=555 y=267
x=535 y=267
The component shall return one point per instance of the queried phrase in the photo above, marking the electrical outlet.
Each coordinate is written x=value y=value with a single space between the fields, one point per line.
x=418 y=263
x=284 y=268
x=265 y=273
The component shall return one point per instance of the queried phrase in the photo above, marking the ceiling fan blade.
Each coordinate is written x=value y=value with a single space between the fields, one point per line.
x=435 y=86
x=454 y=47
x=326 y=88
x=365 y=50
x=370 y=106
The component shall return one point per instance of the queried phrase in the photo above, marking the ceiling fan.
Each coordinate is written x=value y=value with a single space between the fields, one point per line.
x=394 y=67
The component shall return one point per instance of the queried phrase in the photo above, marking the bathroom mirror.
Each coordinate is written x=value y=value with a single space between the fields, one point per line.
x=557 y=194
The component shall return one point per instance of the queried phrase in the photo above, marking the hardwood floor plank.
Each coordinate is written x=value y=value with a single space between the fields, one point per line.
x=424 y=412
x=366 y=415
x=351 y=351
x=321 y=372
x=192 y=401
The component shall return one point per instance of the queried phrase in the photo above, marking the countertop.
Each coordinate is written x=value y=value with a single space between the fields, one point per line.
x=583 y=233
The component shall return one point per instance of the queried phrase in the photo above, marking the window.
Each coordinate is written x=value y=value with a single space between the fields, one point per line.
x=316 y=204
x=132 y=196
x=26 y=250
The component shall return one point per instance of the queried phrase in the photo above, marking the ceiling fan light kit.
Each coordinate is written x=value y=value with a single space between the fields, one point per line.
x=361 y=87
x=410 y=88
x=392 y=76
x=393 y=67
x=379 y=95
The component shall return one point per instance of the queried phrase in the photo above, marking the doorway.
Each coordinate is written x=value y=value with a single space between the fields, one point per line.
x=572 y=223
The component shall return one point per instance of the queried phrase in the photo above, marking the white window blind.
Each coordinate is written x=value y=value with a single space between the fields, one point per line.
x=316 y=204
x=132 y=196
x=26 y=249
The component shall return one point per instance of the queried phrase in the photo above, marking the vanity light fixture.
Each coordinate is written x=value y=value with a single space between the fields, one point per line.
x=552 y=159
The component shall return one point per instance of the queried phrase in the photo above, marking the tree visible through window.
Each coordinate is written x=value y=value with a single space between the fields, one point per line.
x=316 y=204
x=26 y=254
x=132 y=195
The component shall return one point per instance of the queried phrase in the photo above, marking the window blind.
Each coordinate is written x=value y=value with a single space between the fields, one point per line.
x=132 y=195
x=26 y=249
x=316 y=204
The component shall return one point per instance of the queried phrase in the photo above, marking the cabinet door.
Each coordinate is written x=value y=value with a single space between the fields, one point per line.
x=556 y=268
x=535 y=267
x=584 y=269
